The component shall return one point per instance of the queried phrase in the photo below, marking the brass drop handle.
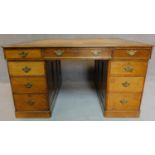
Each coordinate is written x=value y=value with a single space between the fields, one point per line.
x=26 y=69
x=131 y=52
x=30 y=102
x=126 y=84
x=124 y=101
x=23 y=54
x=96 y=52
x=128 y=69
x=28 y=85
x=59 y=52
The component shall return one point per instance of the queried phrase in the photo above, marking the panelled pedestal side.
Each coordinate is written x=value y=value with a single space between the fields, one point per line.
x=31 y=87
x=125 y=81
x=100 y=80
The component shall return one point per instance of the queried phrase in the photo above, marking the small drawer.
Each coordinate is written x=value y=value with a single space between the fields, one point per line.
x=22 y=53
x=30 y=102
x=77 y=53
x=29 y=85
x=125 y=84
x=123 y=101
x=133 y=68
x=132 y=53
x=26 y=68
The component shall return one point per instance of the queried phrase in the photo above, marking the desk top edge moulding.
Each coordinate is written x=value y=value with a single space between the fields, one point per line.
x=91 y=42
x=120 y=70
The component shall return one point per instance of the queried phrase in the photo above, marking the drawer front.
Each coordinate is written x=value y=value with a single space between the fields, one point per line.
x=29 y=85
x=125 y=84
x=78 y=53
x=132 y=53
x=123 y=101
x=22 y=53
x=136 y=68
x=31 y=102
x=26 y=68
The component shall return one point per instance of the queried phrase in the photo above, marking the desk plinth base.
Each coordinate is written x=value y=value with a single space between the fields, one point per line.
x=33 y=114
x=121 y=114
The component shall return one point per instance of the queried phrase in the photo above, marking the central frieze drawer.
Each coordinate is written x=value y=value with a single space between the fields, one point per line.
x=29 y=85
x=25 y=68
x=77 y=53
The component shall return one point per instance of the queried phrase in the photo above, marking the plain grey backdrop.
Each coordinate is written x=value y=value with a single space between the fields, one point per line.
x=81 y=102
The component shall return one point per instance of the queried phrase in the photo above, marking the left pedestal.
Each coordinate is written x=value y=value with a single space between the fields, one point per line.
x=32 y=81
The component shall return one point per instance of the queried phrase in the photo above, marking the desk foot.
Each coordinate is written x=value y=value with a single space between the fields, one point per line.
x=121 y=114
x=33 y=114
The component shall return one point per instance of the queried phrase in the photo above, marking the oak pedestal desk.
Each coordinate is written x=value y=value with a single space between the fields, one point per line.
x=35 y=73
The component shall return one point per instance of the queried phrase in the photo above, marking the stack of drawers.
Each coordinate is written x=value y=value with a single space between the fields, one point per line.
x=125 y=82
x=29 y=82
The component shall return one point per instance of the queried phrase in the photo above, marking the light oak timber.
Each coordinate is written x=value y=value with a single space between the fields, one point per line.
x=20 y=54
x=121 y=114
x=78 y=53
x=125 y=84
x=90 y=42
x=140 y=53
x=29 y=85
x=31 y=68
x=33 y=114
x=123 y=101
x=120 y=71
x=31 y=102
x=128 y=68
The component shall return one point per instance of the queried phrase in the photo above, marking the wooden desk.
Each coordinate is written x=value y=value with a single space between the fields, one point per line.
x=35 y=73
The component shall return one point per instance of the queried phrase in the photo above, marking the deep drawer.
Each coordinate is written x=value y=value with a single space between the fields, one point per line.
x=31 y=102
x=123 y=101
x=125 y=84
x=29 y=85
